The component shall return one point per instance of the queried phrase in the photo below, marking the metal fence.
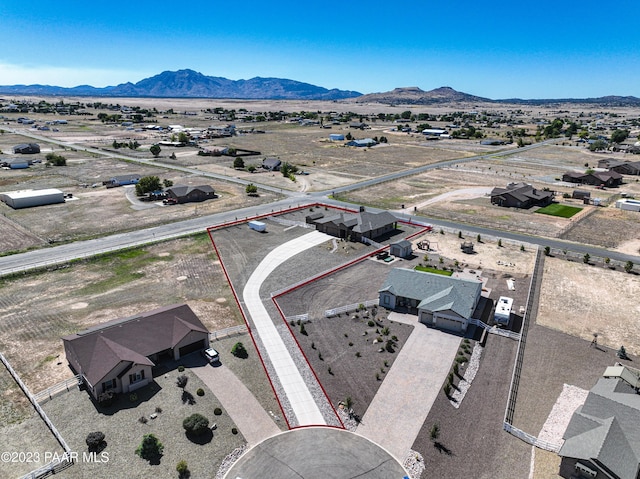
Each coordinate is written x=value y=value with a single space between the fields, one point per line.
x=495 y=330
x=299 y=317
x=529 y=439
x=64 y=386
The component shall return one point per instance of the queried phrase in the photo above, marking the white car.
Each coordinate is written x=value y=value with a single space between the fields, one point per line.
x=211 y=355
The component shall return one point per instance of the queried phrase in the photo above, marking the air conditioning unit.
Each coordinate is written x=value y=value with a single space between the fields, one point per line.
x=585 y=471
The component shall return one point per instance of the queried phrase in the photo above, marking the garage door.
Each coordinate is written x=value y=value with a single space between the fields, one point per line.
x=449 y=324
x=190 y=348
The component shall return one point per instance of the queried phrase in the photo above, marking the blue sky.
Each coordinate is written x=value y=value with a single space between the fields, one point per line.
x=495 y=49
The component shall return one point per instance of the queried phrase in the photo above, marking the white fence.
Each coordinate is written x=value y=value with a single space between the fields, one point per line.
x=495 y=330
x=299 y=317
x=372 y=243
x=350 y=307
x=50 y=393
x=529 y=439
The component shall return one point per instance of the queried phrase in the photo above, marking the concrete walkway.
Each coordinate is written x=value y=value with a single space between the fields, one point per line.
x=396 y=414
x=252 y=420
x=304 y=406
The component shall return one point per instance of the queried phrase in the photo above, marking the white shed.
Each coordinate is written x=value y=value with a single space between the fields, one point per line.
x=29 y=198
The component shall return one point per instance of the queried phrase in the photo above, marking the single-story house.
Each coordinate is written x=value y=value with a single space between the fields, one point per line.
x=122 y=180
x=602 y=439
x=607 y=178
x=439 y=301
x=366 y=142
x=623 y=167
x=271 y=164
x=26 y=148
x=401 y=249
x=355 y=226
x=520 y=195
x=358 y=125
x=119 y=355
x=190 y=194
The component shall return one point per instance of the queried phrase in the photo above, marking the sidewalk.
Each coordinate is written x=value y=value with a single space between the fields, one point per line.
x=396 y=414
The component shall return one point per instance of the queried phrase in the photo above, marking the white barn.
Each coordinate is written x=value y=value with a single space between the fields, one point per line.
x=30 y=198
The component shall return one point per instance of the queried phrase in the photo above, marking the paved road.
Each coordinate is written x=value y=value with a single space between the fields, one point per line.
x=298 y=394
x=403 y=401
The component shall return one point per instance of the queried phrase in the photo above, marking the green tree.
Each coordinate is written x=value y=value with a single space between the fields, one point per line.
x=238 y=162
x=598 y=145
x=183 y=469
x=547 y=250
x=628 y=266
x=147 y=184
x=239 y=351
x=618 y=136
x=405 y=115
x=251 y=189
x=150 y=447
x=167 y=183
x=586 y=258
x=183 y=137
x=56 y=160
x=155 y=150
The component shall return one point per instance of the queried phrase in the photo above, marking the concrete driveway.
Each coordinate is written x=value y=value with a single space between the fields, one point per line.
x=396 y=414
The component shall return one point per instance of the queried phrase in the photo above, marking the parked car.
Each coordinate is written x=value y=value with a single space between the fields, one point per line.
x=211 y=355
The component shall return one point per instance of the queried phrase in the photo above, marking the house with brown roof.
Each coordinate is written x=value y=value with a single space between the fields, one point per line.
x=520 y=195
x=606 y=178
x=355 y=226
x=119 y=356
x=190 y=194
x=622 y=167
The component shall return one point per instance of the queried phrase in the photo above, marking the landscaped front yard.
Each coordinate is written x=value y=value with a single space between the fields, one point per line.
x=556 y=209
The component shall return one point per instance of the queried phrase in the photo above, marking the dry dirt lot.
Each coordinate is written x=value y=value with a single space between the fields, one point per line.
x=581 y=299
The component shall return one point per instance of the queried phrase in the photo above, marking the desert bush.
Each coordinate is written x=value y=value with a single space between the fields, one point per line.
x=234 y=431
x=106 y=399
x=182 y=468
x=95 y=441
x=180 y=368
x=196 y=424
x=143 y=419
x=158 y=409
x=370 y=323
x=200 y=392
x=217 y=411
x=182 y=381
x=239 y=351
x=150 y=447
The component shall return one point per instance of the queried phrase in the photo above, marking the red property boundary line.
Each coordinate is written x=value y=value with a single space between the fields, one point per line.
x=293 y=288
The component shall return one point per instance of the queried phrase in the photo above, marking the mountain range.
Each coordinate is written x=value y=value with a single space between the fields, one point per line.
x=192 y=84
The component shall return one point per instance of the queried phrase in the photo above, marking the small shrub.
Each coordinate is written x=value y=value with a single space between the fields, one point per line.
x=447 y=390
x=346 y=335
x=313 y=345
x=450 y=378
x=350 y=343
x=386 y=364
x=460 y=359
x=150 y=447
x=143 y=419
x=292 y=322
x=200 y=392
x=182 y=468
x=239 y=351
x=180 y=368
x=329 y=370
x=106 y=399
x=196 y=424
x=320 y=356
x=370 y=323
x=158 y=409
x=377 y=377
x=182 y=381
x=217 y=411
x=358 y=354
x=95 y=441
x=303 y=331
x=234 y=431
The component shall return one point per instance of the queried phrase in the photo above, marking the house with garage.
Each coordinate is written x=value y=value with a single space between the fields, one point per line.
x=119 y=356
x=622 y=167
x=597 y=178
x=354 y=226
x=26 y=148
x=602 y=439
x=520 y=195
x=365 y=143
x=191 y=194
x=439 y=301
x=271 y=164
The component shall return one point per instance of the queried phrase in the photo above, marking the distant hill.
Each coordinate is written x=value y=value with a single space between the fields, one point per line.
x=416 y=96
x=191 y=84
x=445 y=94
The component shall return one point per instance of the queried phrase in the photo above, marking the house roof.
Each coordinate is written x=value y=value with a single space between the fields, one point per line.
x=125 y=177
x=271 y=162
x=96 y=351
x=181 y=190
x=402 y=243
x=522 y=192
x=435 y=292
x=605 y=428
x=362 y=222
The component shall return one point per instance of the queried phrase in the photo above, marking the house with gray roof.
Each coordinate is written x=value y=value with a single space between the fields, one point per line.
x=602 y=439
x=623 y=167
x=355 y=226
x=439 y=301
x=606 y=178
x=119 y=355
x=520 y=195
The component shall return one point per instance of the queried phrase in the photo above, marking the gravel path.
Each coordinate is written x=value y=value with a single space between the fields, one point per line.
x=556 y=424
x=469 y=376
